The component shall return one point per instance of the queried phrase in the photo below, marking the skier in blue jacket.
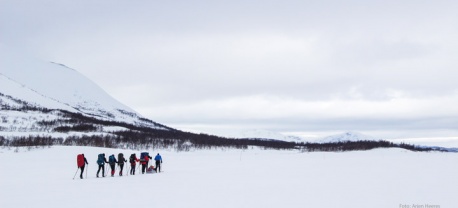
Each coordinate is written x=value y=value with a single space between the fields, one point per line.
x=158 y=160
x=112 y=161
x=101 y=161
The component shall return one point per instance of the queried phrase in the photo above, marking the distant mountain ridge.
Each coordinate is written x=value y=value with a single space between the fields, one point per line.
x=347 y=136
x=266 y=134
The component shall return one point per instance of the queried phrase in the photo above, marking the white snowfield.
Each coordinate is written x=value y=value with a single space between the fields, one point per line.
x=380 y=178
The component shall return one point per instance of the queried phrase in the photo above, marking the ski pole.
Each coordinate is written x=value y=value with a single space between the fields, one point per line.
x=76 y=173
x=86 y=169
x=138 y=168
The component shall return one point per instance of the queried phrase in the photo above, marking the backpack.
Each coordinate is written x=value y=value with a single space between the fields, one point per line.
x=121 y=158
x=132 y=158
x=111 y=159
x=80 y=160
x=142 y=156
x=101 y=159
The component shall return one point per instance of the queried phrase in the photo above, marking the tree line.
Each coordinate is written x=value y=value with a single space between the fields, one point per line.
x=144 y=137
x=188 y=141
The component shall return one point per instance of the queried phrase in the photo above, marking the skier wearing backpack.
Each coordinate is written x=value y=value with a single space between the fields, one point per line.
x=133 y=162
x=158 y=160
x=101 y=162
x=144 y=161
x=112 y=161
x=121 y=161
x=81 y=162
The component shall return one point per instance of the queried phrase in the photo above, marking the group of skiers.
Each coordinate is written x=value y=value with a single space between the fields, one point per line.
x=112 y=161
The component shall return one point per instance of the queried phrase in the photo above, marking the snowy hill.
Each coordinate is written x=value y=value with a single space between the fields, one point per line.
x=34 y=92
x=347 y=136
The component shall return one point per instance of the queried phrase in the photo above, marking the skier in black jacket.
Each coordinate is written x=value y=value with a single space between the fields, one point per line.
x=121 y=161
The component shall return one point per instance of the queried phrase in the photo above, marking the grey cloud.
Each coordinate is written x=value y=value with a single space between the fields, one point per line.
x=153 y=54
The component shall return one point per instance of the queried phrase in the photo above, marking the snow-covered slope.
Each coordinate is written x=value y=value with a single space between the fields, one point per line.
x=347 y=136
x=29 y=83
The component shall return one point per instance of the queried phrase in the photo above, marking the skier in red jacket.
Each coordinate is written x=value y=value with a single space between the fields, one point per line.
x=144 y=162
x=133 y=163
x=81 y=164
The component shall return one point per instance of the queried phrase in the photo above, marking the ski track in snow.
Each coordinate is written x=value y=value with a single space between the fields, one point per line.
x=233 y=178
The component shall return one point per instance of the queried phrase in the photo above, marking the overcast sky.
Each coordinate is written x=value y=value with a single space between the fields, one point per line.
x=385 y=68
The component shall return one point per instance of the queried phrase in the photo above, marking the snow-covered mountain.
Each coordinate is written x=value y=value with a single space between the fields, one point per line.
x=347 y=136
x=35 y=94
x=262 y=134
